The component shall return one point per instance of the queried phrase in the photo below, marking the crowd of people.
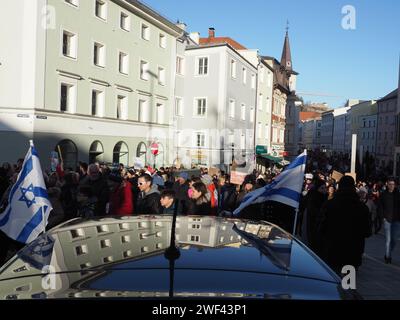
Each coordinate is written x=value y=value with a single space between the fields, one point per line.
x=335 y=217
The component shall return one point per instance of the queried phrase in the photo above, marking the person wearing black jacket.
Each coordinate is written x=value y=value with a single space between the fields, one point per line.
x=148 y=201
x=345 y=225
x=200 y=203
x=388 y=209
x=181 y=188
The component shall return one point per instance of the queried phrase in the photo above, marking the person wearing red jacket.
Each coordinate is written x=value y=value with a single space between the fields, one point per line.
x=121 y=203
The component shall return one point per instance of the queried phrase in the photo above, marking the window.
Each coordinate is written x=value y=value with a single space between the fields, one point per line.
x=259 y=130
x=179 y=107
x=194 y=238
x=281 y=136
x=232 y=109
x=122 y=107
x=274 y=135
x=123 y=60
x=253 y=81
x=260 y=102
x=180 y=65
x=233 y=69
x=202 y=66
x=160 y=113
x=75 y=3
x=69 y=44
x=145 y=32
x=81 y=250
x=97 y=103
x=125 y=22
x=262 y=74
x=65 y=97
x=243 y=112
x=144 y=70
x=143 y=111
x=266 y=131
x=161 y=76
x=101 y=9
x=126 y=239
x=99 y=54
x=200 y=107
x=200 y=141
x=244 y=75
x=162 y=41
x=269 y=79
x=242 y=142
x=106 y=243
x=231 y=139
x=252 y=114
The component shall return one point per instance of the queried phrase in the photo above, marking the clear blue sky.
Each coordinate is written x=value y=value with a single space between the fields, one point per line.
x=360 y=64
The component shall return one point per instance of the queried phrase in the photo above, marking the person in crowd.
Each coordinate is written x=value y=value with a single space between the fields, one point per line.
x=227 y=195
x=99 y=187
x=86 y=202
x=83 y=170
x=344 y=227
x=121 y=203
x=148 y=201
x=315 y=198
x=209 y=183
x=9 y=170
x=4 y=181
x=308 y=183
x=200 y=203
x=168 y=202
x=331 y=191
x=389 y=211
x=132 y=177
x=181 y=188
x=56 y=215
x=247 y=187
x=69 y=191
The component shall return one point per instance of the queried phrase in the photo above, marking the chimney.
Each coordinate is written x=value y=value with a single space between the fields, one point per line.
x=181 y=25
x=211 y=32
x=195 y=36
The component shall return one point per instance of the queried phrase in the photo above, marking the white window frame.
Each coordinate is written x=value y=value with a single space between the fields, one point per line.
x=72 y=3
x=244 y=75
x=102 y=55
x=197 y=66
x=243 y=141
x=193 y=235
x=180 y=71
x=162 y=80
x=233 y=68
x=259 y=130
x=281 y=136
x=243 y=112
x=145 y=72
x=124 y=67
x=195 y=136
x=195 y=106
x=260 y=101
x=159 y=115
x=143 y=115
x=266 y=134
x=72 y=95
x=232 y=109
x=179 y=107
x=127 y=20
x=145 y=35
x=262 y=74
x=73 y=45
x=252 y=114
x=253 y=81
x=100 y=102
x=105 y=8
x=162 y=40
x=124 y=106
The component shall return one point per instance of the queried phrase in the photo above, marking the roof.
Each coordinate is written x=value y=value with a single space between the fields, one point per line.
x=154 y=14
x=218 y=40
x=391 y=95
x=307 y=115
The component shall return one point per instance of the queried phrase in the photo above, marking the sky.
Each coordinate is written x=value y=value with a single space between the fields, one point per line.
x=335 y=64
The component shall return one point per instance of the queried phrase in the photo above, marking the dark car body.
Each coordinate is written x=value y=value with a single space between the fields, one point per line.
x=124 y=257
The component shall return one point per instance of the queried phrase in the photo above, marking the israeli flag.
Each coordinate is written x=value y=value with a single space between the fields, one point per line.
x=28 y=207
x=286 y=188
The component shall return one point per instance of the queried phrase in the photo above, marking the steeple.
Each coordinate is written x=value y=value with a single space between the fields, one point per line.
x=286 y=60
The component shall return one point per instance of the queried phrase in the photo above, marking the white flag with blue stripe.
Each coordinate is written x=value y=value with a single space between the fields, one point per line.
x=286 y=188
x=28 y=207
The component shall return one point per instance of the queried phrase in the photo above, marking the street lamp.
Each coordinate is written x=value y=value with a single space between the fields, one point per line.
x=233 y=152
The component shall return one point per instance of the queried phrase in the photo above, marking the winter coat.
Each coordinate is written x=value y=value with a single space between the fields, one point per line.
x=228 y=197
x=389 y=206
x=121 y=200
x=149 y=203
x=182 y=196
x=343 y=229
x=101 y=191
x=315 y=200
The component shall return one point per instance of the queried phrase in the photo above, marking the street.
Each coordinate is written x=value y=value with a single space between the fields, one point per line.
x=375 y=279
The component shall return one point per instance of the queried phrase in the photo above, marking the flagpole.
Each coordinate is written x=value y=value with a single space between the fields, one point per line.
x=295 y=221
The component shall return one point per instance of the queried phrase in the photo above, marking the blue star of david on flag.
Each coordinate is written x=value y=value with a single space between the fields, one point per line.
x=29 y=200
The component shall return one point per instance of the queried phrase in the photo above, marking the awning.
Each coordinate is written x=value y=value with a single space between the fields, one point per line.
x=271 y=158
